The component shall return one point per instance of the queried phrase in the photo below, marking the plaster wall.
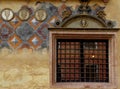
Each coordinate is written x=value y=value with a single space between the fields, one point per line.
x=30 y=70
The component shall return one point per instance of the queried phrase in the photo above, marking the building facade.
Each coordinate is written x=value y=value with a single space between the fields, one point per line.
x=59 y=44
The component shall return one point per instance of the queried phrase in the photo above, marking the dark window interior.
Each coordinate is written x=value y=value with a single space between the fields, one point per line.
x=81 y=60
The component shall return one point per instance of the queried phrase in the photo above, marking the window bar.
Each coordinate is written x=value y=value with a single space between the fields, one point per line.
x=73 y=63
x=102 y=75
x=74 y=59
x=60 y=58
x=94 y=67
x=88 y=74
x=58 y=69
x=107 y=66
x=80 y=58
x=69 y=62
x=97 y=73
x=82 y=62
x=98 y=62
x=90 y=48
x=78 y=44
x=65 y=60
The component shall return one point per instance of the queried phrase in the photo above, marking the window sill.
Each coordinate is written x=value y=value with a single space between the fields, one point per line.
x=81 y=85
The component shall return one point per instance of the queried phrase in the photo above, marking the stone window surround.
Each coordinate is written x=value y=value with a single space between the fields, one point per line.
x=88 y=33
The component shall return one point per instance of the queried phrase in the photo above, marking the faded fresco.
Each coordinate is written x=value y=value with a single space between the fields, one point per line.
x=24 y=40
x=28 y=28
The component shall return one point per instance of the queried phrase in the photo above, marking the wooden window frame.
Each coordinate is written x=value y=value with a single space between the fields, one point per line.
x=88 y=33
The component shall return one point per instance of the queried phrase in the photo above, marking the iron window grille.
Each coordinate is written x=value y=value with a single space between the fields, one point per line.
x=80 y=60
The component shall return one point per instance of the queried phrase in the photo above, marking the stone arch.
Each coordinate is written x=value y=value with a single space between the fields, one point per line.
x=89 y=21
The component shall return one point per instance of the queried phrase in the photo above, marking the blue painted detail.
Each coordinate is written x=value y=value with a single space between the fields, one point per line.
x=4 y=44
x=25 y=31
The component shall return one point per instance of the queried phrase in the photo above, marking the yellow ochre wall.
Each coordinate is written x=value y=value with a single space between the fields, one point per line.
x=26 y=70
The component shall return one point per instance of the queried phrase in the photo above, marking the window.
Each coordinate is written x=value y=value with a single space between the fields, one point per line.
x=90 y=45
x=83 y=58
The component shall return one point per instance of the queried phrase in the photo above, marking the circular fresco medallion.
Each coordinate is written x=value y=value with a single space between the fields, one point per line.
x=7 y=14
x=40 y=15
x=24 y=14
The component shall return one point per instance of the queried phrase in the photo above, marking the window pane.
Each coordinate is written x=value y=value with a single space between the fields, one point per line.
x=82 y=60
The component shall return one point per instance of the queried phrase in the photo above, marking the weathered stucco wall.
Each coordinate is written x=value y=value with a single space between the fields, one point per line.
x=27 y=70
